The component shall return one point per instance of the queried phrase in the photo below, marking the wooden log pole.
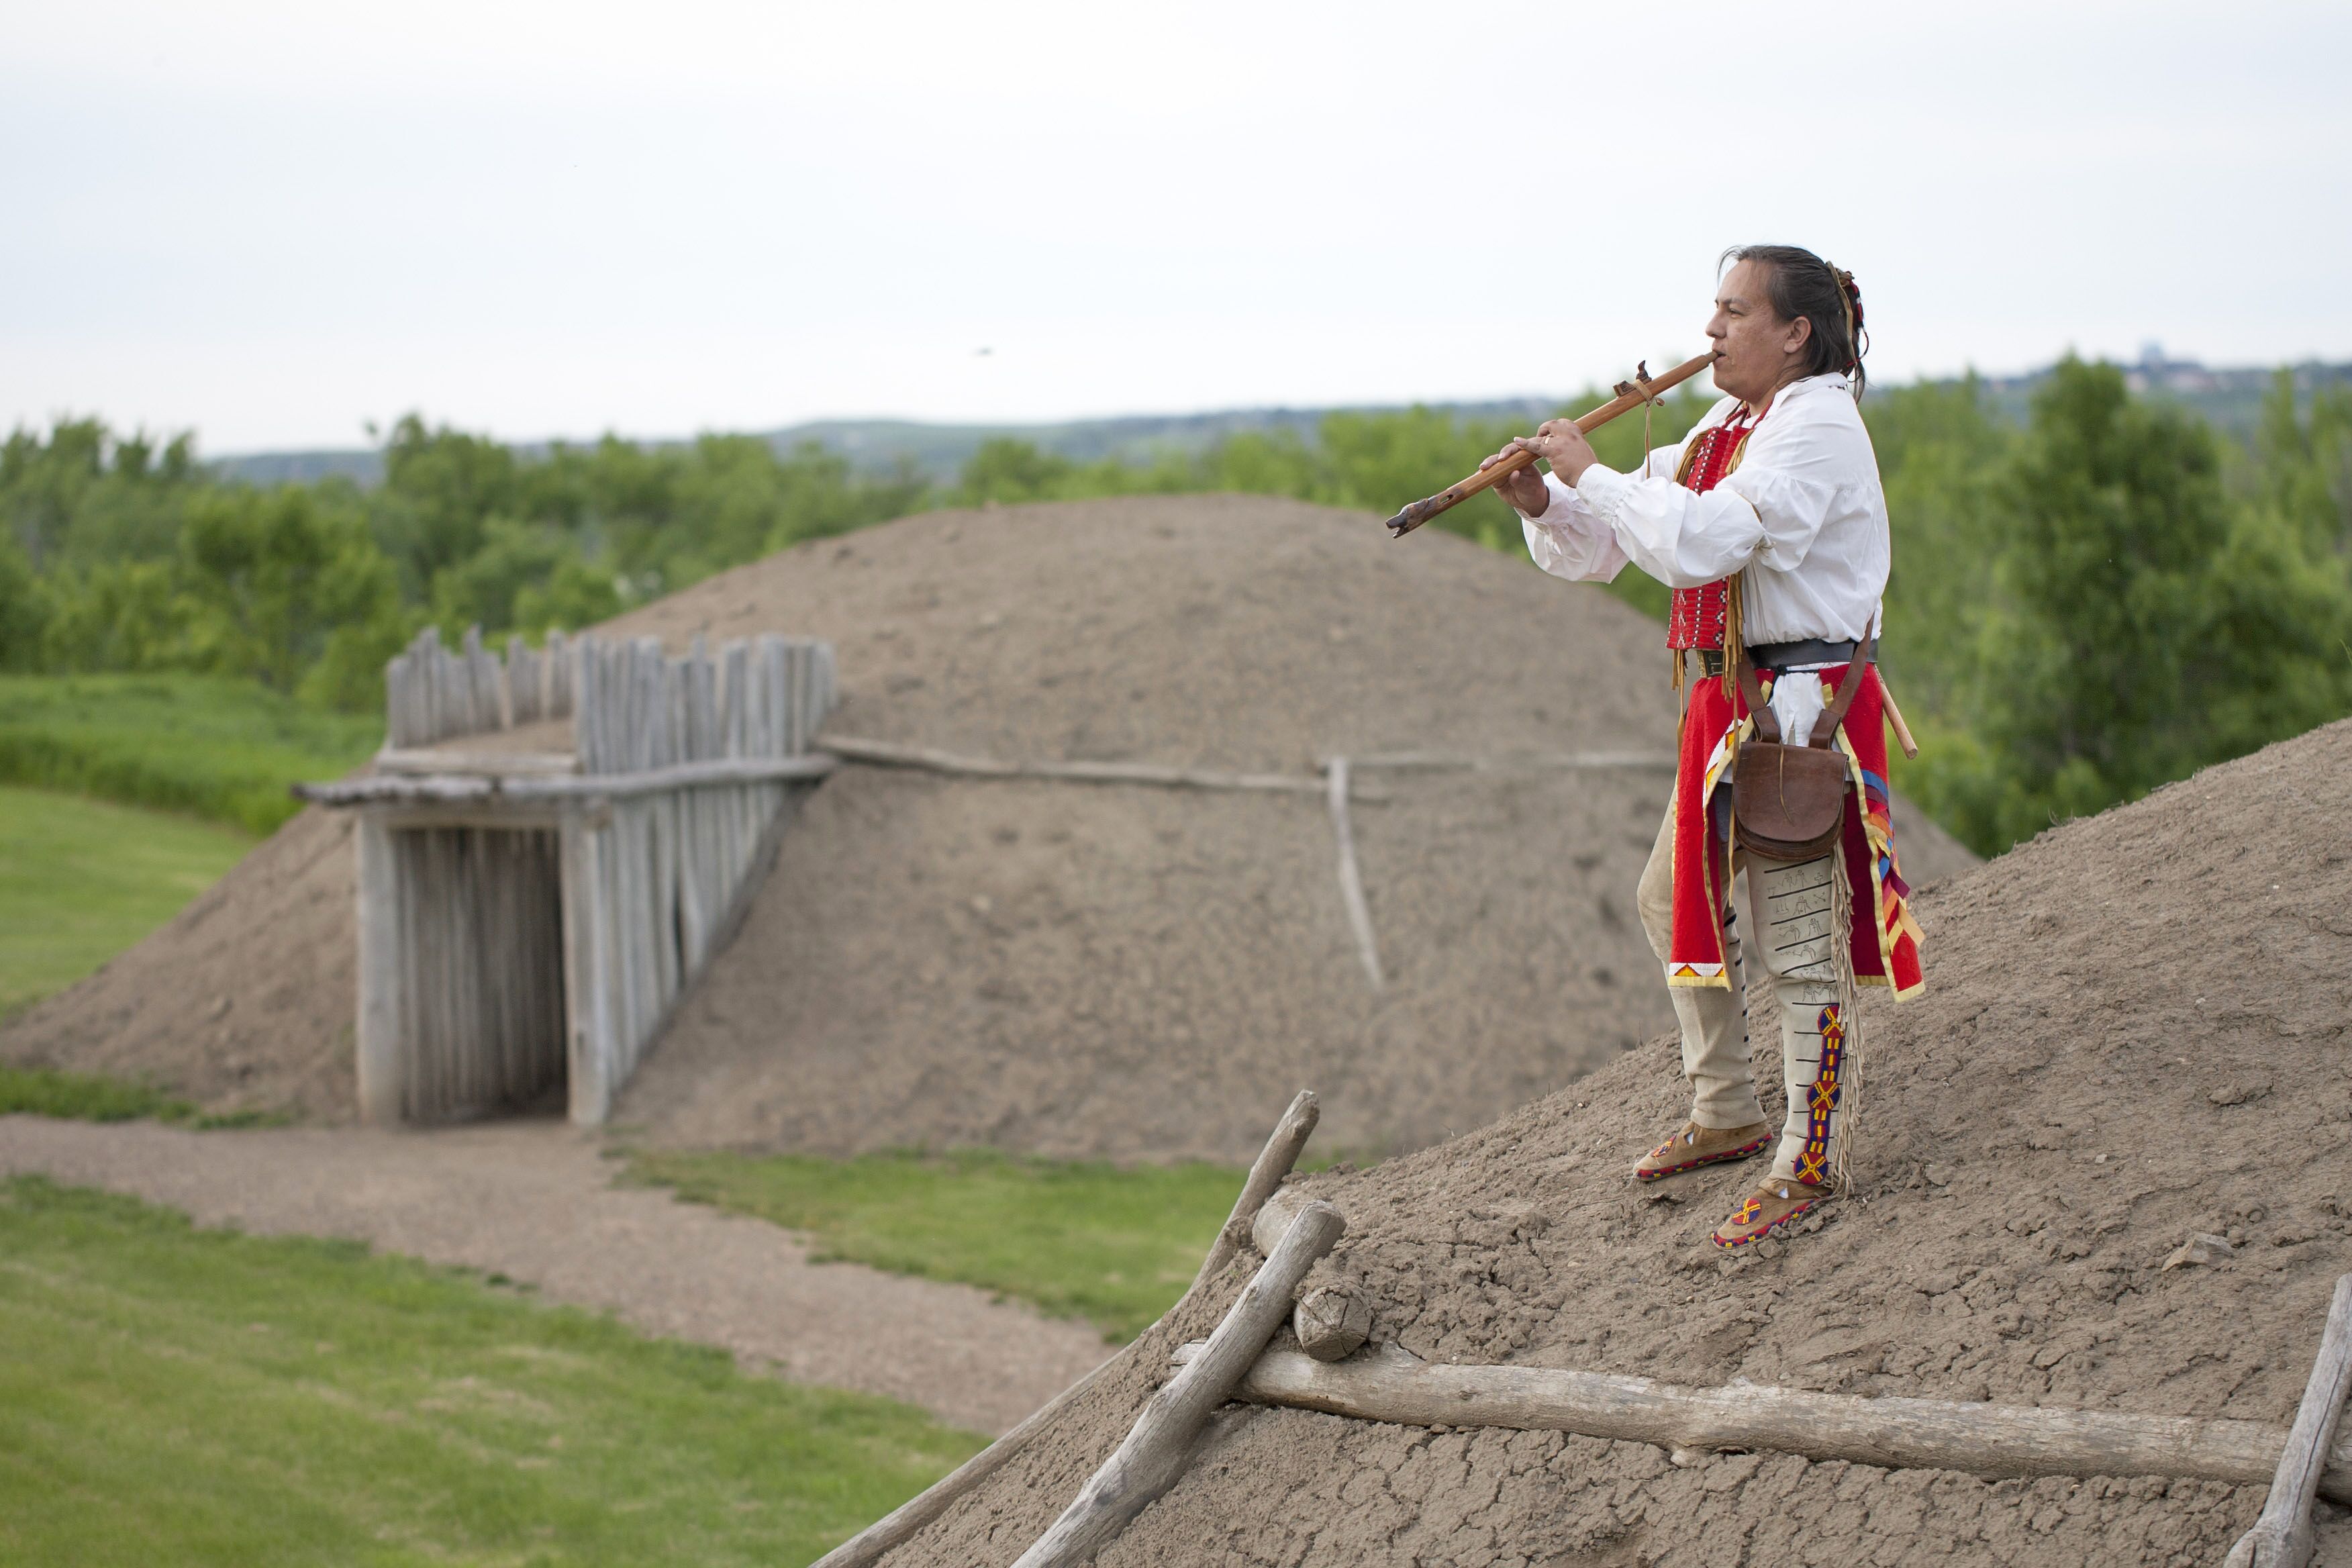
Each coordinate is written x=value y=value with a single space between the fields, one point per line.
x=892 y=754
x=1631 y=395
x=903 y=1523
x=2283 y=1536
x=1892 y=1433
x=382 y=1027
x=1162 y=1439
x=1273 y=1163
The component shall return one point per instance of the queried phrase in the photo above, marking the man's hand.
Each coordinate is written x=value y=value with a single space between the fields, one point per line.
x=1523 y=489
x=1559 y=443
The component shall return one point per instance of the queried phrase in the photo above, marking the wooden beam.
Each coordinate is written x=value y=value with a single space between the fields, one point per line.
x=892 y=754
x=2283 y=1537
x=1273 y=1163
x=1161 y=1441
x=456 y=788
x=382 y=978
x=1399 y=1388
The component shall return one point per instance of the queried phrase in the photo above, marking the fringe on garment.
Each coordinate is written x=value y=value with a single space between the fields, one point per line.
x=1849 y=1092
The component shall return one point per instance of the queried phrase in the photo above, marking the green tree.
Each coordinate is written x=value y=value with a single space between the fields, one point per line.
x=271 y=576
x=117 y=616
x=24 y=610
x=2143 y=629
x=1006 y=470
x=440 y=488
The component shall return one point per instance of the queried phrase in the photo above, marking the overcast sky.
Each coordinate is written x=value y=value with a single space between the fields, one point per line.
x=274 y=222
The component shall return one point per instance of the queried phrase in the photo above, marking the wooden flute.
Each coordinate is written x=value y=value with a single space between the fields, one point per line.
x=1631 y=395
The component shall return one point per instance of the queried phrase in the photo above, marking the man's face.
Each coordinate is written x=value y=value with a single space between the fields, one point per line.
x=1754 y=347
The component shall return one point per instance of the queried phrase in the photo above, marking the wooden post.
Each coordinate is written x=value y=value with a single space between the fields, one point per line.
x=381 y=974
x=1351 y=879
x=1274 y=1163
x=2282 y=1537
x=1156 y=1450
x=1889 y=1432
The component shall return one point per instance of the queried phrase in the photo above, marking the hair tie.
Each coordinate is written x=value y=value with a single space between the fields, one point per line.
x=1850 y=300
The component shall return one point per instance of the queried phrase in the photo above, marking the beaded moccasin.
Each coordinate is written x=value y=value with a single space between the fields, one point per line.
x=1695 y=1146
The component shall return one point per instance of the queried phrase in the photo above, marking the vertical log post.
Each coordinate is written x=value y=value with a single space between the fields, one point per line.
x=2283 y=1537
x=382 y=978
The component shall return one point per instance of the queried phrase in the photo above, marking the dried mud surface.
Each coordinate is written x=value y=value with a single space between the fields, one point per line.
x=1079 y=969
x=2135 y=1029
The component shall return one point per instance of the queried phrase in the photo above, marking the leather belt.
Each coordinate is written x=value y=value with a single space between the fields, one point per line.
x=1812 y=651
x=1783 y=655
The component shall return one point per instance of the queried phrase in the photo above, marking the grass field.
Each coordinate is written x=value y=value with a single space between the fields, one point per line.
x=175 y=1395
x=83 y=880
x=1085 y=1240
x=209 y=747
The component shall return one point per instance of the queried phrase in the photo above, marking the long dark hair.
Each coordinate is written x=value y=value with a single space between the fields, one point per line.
x=1802 y=284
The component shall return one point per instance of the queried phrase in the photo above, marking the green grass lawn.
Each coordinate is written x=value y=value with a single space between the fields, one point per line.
x=175 y=1395
x=201 y=744
x=1085 y=1240
x=83 y=880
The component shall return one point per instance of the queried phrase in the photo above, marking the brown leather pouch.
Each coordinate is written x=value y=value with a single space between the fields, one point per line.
x=1788 y=802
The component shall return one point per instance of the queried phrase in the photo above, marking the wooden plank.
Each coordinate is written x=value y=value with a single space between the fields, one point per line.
x=1154 y=1454
x=381 y=963
x=526 y=790
x=1893 y=1433
x=434 y=759
x=2283 y=1537
x=555 y=692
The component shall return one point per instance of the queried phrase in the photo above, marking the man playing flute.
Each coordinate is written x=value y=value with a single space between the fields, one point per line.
x=1769 y=524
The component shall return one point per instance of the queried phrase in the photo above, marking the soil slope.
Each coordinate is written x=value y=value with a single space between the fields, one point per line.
x=2135 y=1029
x=1070 y=968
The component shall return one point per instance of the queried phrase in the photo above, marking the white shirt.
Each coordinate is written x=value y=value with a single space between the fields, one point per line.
x=1802 y=517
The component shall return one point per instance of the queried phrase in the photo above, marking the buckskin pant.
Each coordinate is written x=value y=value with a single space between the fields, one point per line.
x=1791 y=916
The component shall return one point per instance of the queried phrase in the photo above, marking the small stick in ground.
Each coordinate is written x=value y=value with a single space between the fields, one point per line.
x=1157 y=1449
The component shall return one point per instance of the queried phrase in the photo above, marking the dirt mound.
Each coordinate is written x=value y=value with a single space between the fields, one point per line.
x=2135 y=1029
x=1121 y=970
x=247 y=999
x=1083 y=968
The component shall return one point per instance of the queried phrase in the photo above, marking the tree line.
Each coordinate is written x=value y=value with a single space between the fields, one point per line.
x=2083 y=606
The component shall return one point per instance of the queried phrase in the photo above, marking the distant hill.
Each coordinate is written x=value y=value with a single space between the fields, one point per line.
x=2231 y=399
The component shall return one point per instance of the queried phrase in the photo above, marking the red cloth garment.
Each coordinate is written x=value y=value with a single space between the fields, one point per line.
x=1696 y=618
x=1884 y=938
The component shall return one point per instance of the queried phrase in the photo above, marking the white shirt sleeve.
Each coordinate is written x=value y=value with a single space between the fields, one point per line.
x=1683 y=539
x=1566 y=539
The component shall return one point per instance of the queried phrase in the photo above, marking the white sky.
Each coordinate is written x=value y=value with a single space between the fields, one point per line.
x=274 y=222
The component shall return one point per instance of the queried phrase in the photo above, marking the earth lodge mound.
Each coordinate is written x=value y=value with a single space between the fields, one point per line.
x=1086 y=969
x=2135 y=1033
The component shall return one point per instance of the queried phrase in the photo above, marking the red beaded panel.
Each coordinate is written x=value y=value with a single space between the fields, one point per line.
x=1695 y=619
